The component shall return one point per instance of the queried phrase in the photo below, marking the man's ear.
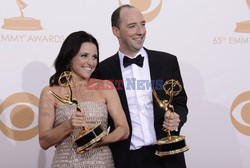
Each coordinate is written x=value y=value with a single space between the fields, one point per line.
x=116 y=31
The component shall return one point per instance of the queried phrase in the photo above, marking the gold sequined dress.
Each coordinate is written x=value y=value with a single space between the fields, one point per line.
x=65 y=153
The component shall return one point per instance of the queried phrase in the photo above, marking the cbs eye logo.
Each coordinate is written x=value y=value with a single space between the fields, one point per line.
x=18 y=111
x=241 y=108
x=145 y=7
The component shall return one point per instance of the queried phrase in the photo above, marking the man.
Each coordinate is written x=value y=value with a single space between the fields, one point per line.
x=134 y=83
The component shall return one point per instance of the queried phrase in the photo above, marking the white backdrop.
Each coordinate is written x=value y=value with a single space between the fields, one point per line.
x=214 y=60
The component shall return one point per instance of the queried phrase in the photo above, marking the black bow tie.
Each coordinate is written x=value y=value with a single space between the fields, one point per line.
x=128 y=61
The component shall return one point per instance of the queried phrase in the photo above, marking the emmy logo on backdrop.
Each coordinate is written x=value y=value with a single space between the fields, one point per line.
x=170 y=145
x=144 y=6
x=89 y=135
x=244 y=26
x=22 y=22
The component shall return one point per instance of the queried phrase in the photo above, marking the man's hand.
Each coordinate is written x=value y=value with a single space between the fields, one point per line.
x=171 y=121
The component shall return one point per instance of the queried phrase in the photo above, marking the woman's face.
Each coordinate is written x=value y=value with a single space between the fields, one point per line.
x=85 y=62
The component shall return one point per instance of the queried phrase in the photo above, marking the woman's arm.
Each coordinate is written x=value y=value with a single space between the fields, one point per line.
x=48 y=135
x=116 y=112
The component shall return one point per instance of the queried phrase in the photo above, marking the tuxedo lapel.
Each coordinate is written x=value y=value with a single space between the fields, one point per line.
x=155 y=73
x=115 y=70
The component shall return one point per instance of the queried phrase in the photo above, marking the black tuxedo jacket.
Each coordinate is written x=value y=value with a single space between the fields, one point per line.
x=163 y=66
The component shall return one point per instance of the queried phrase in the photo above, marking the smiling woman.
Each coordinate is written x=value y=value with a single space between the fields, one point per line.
x=68 y=108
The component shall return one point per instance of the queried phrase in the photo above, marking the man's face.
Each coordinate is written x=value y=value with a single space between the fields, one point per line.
x=131 y=32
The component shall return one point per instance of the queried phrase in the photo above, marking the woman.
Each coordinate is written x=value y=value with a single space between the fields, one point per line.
x=61 y=123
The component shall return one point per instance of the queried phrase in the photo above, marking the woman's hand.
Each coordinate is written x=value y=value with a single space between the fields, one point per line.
x=77 y=120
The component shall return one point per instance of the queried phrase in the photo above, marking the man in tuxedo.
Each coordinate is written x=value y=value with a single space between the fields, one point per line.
x=136 y=71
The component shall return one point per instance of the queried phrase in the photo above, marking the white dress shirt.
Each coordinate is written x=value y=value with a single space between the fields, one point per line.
x=137 y=84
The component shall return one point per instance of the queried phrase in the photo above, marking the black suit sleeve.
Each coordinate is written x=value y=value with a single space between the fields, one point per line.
x=180 y=101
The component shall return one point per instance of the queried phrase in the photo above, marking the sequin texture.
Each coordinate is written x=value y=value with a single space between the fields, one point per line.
x=65 y=153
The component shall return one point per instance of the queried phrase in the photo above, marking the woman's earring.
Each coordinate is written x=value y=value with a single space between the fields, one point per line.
x=67 y=67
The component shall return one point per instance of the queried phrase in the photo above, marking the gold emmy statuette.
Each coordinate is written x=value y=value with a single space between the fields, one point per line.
x=244 y=26
x=170 y=145
x=22 y=22
x=88 y=136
